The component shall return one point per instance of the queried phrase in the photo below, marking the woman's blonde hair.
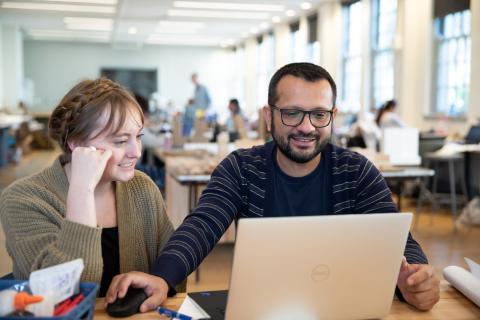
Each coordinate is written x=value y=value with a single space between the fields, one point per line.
x=78 y=114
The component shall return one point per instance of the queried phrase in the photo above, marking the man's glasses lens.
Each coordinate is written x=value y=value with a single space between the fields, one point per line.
x=293 y=117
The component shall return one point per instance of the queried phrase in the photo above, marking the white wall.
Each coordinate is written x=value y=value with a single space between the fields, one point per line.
x=55 y=67
x=12 y=68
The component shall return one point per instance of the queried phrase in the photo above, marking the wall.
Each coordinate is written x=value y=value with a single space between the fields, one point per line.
x=55 y=67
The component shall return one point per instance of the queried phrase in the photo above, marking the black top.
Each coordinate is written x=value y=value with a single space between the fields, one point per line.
x=301 y=196
x=111 y=258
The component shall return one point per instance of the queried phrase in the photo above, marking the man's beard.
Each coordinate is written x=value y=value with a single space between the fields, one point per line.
x=300 y=157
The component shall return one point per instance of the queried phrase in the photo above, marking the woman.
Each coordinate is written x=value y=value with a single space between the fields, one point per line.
x=91 y=203
x=387 y=118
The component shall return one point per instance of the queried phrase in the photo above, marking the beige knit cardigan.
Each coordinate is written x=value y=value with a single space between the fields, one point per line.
x=32 y=212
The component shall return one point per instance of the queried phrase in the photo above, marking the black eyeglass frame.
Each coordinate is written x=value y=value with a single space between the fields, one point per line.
x=282 y=111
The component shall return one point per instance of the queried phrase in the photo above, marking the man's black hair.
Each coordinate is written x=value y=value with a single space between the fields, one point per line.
x=307 y=71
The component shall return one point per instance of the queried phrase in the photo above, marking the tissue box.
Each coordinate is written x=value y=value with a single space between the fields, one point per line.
x=84 y=310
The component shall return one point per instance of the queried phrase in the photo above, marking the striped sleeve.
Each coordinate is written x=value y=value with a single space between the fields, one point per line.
x=202 y=229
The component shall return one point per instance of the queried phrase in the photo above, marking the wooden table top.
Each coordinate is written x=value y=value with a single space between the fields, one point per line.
x=452 y=305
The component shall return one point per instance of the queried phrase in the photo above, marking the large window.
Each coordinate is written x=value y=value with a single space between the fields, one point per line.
x=296 y=45
x=352 y=59
x=265 y=67
x=313 y=46
x=384 y=18
x=453 y=47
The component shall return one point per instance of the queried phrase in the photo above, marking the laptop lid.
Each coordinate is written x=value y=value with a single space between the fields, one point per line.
x=320 y=267
x=473 y=135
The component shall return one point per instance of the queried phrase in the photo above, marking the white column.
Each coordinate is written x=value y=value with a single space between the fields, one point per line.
x=12 y=66
x=417 y=62
x=474 y=103
x=330 y=34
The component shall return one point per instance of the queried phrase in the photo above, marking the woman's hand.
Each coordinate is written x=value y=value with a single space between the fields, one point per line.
x=87 y=167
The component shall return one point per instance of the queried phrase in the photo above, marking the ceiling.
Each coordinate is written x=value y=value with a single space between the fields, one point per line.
x=138 y=22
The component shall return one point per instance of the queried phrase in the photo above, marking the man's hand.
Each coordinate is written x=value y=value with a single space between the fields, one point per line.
x=419 y=285
x=155 y=287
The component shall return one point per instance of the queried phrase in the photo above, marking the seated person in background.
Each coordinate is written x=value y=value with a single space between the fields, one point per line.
x=91 y=203
x=189 y=116
x=387 y=118
x=298 y=173
x=234 y=120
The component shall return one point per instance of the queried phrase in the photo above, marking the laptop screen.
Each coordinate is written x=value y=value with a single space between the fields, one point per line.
x=473 y=135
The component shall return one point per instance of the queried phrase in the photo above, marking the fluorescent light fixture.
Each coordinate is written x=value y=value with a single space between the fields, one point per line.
x=108 y=2
x=244 y=34
x=40 y=34
x=253 y=30
x=228 y=6
x=56 y=7
x=180 y=24
x=290 y=13
x=81 y=23
x=276 y=19
x=181 y=27
x=306 y=5
x=132 y=30
x=186 y=41
x=219 y=14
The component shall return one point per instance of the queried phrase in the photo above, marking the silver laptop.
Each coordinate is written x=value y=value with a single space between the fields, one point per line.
x=321 y=267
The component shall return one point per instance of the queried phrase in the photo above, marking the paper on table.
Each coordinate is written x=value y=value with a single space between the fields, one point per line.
x=474 y=267
x=190 y=308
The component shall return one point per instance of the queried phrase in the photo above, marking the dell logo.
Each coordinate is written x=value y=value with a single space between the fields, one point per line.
x=320 y=273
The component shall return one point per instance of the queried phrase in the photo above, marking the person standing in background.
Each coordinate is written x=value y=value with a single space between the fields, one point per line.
x=231 y=124
x=201 y=97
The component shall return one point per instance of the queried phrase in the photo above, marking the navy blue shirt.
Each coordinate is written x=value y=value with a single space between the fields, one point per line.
x=309 y=195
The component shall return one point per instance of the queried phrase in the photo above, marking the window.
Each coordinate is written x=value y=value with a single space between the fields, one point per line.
x=313 y=46
x=453 y=48
x=384 y=17
x=352 y=60
x=296 y=45
x=265 y=67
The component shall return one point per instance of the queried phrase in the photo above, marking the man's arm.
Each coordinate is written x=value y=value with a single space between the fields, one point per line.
x=417 y=283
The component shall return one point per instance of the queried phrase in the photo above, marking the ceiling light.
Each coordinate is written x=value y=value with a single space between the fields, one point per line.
x=219 y=14
x=189 y=41
x=85 y=1
x=290 y=13
x=81 y=23
x=132 y=30
x=276 y=19
x=228 y=6
x=180 y=24
x=68 y=35
x=306 y=5
x=253 y=30
x=244 y=34
x=56 y=7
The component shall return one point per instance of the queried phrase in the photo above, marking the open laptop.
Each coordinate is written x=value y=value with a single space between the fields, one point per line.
x=473 y=135
x=320 y=267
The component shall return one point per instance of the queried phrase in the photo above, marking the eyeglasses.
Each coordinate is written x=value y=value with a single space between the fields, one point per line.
x=294 y=117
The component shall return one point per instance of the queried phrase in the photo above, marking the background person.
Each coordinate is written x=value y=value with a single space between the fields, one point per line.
x=387 y=117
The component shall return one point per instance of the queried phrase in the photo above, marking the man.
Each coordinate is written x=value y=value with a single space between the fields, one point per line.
x=201 y=97
x=299 y=173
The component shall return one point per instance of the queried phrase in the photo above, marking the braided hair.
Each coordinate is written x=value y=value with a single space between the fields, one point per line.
x=77 y=116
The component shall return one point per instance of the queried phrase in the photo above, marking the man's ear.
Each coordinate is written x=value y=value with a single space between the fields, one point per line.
x=267 y=115
x=334 y=115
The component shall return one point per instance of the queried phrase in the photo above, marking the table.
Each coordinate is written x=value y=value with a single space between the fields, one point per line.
x=452 y=305
x=402 y=174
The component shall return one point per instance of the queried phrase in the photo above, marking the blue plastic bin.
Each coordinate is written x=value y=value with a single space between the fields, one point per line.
x=84 y=310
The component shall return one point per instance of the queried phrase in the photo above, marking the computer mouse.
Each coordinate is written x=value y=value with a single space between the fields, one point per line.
x=128 y=305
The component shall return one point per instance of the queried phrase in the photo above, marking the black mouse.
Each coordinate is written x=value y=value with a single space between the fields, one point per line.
x=128 y=305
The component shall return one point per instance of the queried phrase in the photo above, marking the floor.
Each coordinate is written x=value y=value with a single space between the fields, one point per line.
x=434 y=231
